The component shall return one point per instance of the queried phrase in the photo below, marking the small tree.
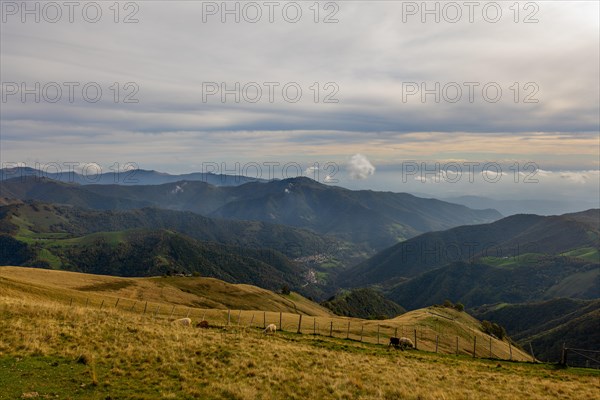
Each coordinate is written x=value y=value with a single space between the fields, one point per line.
x=448 y=304
x=492 y=328
x=285 y=289
x=460 y=307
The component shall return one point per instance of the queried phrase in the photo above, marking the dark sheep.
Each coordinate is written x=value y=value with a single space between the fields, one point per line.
x=394 y=341
x=202 y=324
x=401 y=343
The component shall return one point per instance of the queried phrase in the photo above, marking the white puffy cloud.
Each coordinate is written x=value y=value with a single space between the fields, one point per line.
x=359 y=167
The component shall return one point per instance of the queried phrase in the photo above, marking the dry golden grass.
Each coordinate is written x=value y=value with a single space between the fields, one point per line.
x=115 y=354
x=205 y=298
x=190 y=292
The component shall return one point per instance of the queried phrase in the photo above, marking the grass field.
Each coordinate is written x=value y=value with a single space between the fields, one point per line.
x=166 y=291
x=50 y=348
x=587 y=253
x=446 y=330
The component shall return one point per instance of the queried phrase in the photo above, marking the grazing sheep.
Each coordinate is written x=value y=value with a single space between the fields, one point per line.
x=183 y=322
x=394 y=341
x=406 y=343
x=271 y=328
x=202 y=324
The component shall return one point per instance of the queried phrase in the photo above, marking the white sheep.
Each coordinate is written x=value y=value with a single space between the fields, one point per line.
x=271 y=328
x=406 y=343
x=183 y=322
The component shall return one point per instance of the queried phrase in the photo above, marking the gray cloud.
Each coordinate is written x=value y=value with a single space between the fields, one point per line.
x=369 y=54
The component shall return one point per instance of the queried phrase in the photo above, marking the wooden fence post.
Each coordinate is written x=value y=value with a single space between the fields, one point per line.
x=378 y=333
x=117 y=303
x=331 y=329
x=87 y=301
x=532 y=356
x=239 y=316
x=157 y=310
x=252 y=320
x=145 y=307
x=172 y=311
x=280 y=321
x=437 y=341
x=264 y=320
x=315 y=326
x=474 y=345
x=362 y=328
x=563 y=356
x=395 y=332
x=415 y=338
x=188 y=313
x=228 y=317
x=457 y=345
x=300 y=324
x=101 y=304
x=510 y=350
x=71 y=302
x=348 y=331
x=490 y=347
x=204 y=315
x=133 y=306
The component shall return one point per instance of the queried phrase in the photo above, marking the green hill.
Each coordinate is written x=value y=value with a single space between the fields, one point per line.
x=48 y=235
x=161 y=252
x=548 y=324
x=476 y=284
x=515 y=237
x=371 y=219
x=363 y=303
x=31 y=221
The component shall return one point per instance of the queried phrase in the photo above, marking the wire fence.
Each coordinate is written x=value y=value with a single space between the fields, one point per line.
x=438 y=338
x=582 y=358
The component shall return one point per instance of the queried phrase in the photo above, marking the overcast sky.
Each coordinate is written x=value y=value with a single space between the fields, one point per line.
x=370 y=69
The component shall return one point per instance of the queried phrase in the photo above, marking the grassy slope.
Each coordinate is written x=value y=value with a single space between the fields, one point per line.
x=206 y=295
x=587 y=253
x=188 y=292
x=51 y=350
x=476 y=284
x=513 y=237
x=549 y=324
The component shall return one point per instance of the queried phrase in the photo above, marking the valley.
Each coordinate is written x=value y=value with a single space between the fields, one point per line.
x=219 y=248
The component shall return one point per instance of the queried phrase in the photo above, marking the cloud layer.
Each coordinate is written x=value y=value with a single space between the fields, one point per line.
x=377 y=82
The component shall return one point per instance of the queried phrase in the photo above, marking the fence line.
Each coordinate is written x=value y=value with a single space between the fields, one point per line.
x=425 y=338
x=579 y=357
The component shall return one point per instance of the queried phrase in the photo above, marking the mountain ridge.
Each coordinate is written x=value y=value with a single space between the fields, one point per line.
x=513 y=236
x=366 y=218
x=129 y=177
